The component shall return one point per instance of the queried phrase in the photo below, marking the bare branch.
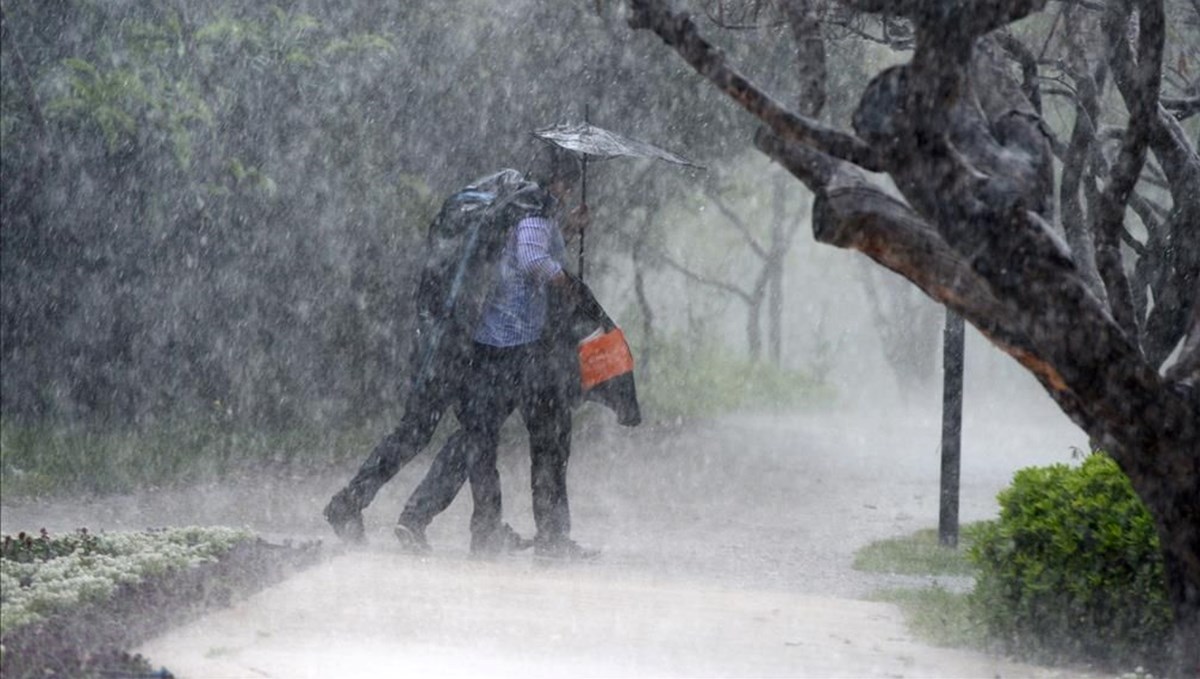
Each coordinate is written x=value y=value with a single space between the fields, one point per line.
x=702 y=280
x=1144 y=80
x=811 y=167
x=680 y=32
x=738 y=223
x=856 y=214
x=1076 y=155
x=810 y=56
x=1182 y=107
x=1058 y=331
x=1029 y=65
x=968 y=18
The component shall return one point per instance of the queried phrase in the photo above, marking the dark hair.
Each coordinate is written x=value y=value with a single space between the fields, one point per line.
x=551 y=164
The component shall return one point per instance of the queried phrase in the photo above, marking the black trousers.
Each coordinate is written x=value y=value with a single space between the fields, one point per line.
x=427 y=401
x=503 y=379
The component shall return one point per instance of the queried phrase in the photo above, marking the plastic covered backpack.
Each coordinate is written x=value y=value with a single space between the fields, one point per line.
x=464 y=242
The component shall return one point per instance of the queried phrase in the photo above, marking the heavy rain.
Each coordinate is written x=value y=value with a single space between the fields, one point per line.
x=600 y=338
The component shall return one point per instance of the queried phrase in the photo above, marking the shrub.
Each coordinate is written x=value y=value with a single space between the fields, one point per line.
x=1071 y=571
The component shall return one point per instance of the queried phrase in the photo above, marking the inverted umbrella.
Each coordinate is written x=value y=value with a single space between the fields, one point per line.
x=587 y=140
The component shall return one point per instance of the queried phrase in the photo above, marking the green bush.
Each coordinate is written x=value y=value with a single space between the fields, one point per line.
x=1071 y=571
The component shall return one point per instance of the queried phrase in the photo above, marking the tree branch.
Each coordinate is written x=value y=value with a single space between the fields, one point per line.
x=1029 y=66
x=1182 y=107
x=1075 y=157
x=680 y=33
x=855 y=213
x=738 y=223
x=969 y=18
x=703 y=280
x=810 y=56
x=1144 y=81
x=1059 y=331
x=1186 y=370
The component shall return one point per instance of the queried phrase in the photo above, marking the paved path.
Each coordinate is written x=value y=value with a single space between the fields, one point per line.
x=379 y=614
x=727 y=552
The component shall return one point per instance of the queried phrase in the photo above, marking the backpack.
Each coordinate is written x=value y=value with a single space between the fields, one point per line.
x=463 y=244
x=462 y=248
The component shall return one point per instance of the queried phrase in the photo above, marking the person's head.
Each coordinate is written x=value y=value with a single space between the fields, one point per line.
x=555 y=169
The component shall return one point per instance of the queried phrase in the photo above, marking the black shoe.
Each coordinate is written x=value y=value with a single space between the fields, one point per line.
x=346 y=519
x=563 y=548
x=412 y=539
x=501 y=541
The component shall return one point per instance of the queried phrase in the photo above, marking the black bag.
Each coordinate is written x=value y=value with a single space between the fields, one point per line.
x=578 y=317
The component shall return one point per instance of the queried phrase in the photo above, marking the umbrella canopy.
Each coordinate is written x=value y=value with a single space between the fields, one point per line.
x=598 y=142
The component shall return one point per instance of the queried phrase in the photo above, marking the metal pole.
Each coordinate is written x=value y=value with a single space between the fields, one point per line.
x=952 y=398
x=583 y=194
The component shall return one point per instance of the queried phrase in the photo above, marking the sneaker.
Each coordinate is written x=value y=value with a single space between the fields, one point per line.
x=345 y=519
x=501 y=541
x=412 y=540
x=511 y=540
x=563 y=548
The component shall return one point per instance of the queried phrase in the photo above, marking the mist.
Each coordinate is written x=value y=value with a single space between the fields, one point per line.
x=213 y=228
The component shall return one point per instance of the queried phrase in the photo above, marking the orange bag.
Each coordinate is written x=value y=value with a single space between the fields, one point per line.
x=603 y=356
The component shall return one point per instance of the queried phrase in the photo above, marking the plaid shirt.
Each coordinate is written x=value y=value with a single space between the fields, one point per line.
x=515 y=312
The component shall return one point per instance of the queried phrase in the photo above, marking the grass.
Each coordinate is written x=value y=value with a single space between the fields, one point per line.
x=918 y=554
x=937 y=615
x=934 y=614
x=698 y=380
x=49 y=460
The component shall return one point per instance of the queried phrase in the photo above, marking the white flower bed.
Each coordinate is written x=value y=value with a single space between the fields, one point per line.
x=29 y=591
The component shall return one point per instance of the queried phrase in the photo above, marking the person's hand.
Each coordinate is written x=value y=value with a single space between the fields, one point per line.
x=577 y=220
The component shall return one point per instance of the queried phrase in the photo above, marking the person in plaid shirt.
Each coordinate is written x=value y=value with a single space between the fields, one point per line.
x=513 y=367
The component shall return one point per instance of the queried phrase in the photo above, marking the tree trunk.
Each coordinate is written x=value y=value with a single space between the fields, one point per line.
x=1175 y=505
x=775 y=316
x=754 y=327
x=639 y=289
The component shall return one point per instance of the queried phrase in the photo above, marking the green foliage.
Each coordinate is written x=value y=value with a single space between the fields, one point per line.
x=919 y=554
x=1071 y=570
x=107 y=99
x=695 y=379
x=226 y=201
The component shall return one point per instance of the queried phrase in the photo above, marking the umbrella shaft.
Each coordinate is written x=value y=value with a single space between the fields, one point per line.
x=583 y=202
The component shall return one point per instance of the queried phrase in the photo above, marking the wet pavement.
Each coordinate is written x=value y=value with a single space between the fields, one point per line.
x=727 y=551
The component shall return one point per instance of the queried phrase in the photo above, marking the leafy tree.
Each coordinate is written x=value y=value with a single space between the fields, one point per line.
x=218 y=202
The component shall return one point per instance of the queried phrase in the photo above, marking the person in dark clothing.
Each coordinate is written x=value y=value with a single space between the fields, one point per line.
x=509 y=363
x=518 y=364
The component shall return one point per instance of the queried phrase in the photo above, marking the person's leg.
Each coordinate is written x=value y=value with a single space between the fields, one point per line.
x=547 y=415
x=423 y=411
x=493 y=396
x=436 y=491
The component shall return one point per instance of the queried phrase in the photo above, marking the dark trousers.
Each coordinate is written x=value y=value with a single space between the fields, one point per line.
x=426 y=403
x=503 y=379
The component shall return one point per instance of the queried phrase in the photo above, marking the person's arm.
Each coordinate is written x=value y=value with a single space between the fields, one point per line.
x=533 y=251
